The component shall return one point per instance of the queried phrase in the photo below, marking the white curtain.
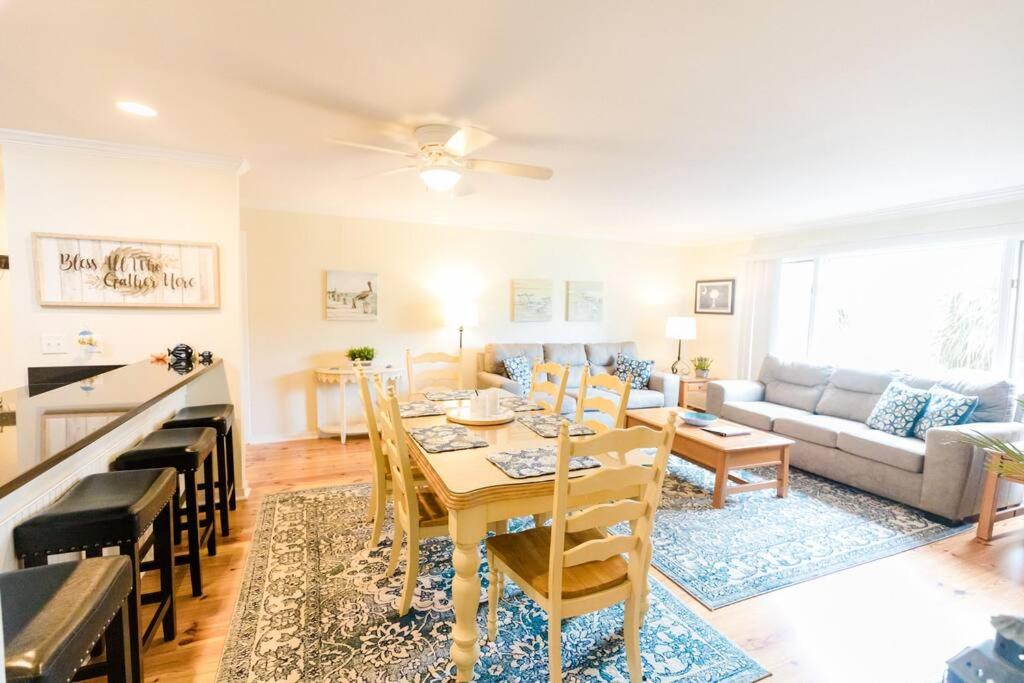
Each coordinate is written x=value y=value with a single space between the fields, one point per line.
x=758 y=310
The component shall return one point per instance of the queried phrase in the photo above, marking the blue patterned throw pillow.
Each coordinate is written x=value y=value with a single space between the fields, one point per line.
x=639 y=369
x=519 y=371
x=898 y=409
x=945 y=408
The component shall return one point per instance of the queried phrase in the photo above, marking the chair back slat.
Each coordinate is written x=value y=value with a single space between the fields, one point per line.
x=393 y=441
x=598 y=549
x=542 y=385
x=613 y=411
x=620 y=492
x=378 y=461
x=605 y=515
x=450 y=376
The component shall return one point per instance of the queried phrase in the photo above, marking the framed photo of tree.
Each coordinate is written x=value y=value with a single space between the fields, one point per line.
x=715 y=296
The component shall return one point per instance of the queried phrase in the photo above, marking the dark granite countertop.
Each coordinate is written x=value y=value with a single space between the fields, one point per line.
x=38 y=432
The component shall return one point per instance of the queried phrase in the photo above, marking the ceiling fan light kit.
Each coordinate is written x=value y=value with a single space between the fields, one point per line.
x=441 y=156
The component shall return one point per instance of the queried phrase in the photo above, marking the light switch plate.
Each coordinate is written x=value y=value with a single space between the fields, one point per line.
x=54 y=344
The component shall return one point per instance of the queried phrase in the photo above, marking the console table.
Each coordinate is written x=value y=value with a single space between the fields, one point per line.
x=342 y=376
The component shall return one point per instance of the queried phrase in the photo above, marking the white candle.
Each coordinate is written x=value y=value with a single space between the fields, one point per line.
x=493 y=405
x=477 y=406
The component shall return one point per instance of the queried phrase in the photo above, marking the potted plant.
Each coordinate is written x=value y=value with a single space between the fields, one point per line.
x=360 y=355
x=702 y=366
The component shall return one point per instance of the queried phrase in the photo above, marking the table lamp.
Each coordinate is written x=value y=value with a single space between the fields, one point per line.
x=461 y=314
x=680 y=328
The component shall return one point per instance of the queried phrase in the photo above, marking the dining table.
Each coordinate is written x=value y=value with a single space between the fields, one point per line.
x=478 y=494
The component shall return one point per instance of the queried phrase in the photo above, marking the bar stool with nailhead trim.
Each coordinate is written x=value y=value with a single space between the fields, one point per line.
x=219 y=416
x=114 y=509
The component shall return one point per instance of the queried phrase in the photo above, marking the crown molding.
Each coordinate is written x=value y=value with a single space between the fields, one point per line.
x=119 y=150
x=903 y=211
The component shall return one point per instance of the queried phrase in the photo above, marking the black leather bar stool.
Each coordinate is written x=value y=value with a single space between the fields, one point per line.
x=186 y=450
x=54 y=615
x=114 y=509
x=219 y=416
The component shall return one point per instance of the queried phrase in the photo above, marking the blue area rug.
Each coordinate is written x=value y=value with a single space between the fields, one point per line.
x=314 y=607
x=760 y=543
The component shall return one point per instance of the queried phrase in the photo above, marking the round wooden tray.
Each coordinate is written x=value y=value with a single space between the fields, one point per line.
x=461 y=416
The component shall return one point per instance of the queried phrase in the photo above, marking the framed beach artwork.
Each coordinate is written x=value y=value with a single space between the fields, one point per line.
x=351 y=295
x=715 y=296
x=531 y=301
x=584 y=301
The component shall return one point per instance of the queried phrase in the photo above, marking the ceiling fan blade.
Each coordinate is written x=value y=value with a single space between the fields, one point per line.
x=372 y=148
x=507 y=168
x=467 y=140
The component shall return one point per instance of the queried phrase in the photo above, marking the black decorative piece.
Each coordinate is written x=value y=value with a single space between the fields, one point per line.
x=206 y=357
x=181 y=352
x=182 y=367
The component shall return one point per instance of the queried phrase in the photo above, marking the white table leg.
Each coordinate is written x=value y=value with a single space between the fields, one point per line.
x=343 y=423
x=468 y=529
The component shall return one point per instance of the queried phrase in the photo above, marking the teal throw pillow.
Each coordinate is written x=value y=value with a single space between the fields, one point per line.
x=945 y=408
x=520 y=371
x=640 y=370
x=898 y=409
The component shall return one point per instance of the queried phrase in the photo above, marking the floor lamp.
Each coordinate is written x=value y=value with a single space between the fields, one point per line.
x=461 y=314
x=681 y=328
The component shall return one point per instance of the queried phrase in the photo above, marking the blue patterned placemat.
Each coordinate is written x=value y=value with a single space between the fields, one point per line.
x=548 y=425
x=420 y=409
x=460 y=395
x=536 y=462
x=442 y=438
x=519 y=405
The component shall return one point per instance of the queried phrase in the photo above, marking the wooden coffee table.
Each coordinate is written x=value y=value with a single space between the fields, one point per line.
x=721 y=454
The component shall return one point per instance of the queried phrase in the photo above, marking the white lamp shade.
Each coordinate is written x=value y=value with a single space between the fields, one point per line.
x=681 y=327
x=461 y=314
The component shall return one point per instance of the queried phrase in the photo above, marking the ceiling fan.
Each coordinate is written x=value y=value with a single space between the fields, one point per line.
x=441 y=157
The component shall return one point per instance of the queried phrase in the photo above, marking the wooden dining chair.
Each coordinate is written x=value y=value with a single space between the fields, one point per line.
x=574 y=566
x=449 y=373
x=418 y=512
x=381 y=479
x=613 y=411
x=542 y=385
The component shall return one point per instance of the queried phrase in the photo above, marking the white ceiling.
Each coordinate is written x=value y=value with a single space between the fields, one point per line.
x=664 y=121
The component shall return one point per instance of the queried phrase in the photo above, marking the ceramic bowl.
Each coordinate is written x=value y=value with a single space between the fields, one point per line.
x=696 y=419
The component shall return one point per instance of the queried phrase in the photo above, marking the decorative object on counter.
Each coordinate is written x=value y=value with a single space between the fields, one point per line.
x=702 y=366
x=89 y=342
x=8 y=416
x=76 y=270
x=206 y=357
x=362 y=355
x=88 y=384
x=680 y=328
x=714 y=296
x=158 y=358
x=351 y=295
x=182 y=367
x=998 y=661
x=181 y=352
x=531 y=301
x=584 y=301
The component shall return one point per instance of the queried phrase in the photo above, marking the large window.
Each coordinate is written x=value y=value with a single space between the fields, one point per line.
x=922 y=309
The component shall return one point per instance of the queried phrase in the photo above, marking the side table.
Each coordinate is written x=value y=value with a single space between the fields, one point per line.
x=693 y=392
x=343 y=376
x=989 y=500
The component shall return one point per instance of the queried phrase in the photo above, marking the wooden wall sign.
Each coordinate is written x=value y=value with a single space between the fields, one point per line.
x=76 y=270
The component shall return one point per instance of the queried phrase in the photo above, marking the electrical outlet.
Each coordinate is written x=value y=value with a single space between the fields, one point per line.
x=54 y=344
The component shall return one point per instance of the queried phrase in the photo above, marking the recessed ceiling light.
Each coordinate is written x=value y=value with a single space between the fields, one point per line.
x=137 y=108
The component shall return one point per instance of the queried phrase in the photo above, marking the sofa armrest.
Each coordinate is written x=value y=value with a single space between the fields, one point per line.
x=722 y=390
x=489 y=380
x=954 y=470
x=668 y=385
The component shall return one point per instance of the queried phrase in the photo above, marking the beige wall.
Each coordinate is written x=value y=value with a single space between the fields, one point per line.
x=9 y=376
x=420 y=266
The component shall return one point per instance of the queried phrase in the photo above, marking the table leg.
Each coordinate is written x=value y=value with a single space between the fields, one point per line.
x=987 y=517
x=721 y=481
x=468 y=529
x=782 y=474
x=343 y=418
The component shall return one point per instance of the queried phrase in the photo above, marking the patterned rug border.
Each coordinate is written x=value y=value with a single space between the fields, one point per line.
x=908 y=543
x=255 y=566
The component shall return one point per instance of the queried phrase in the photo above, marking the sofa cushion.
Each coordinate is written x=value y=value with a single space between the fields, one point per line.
x=495 y=355
x=571 y=355
x=898 y=409
x=997 y=396
x=944 y=408
x=903 y=452
x=793 y=384
x=823 y=430
x=758 y=414
x=645 y=398
x=604 y=354
x=852 y=394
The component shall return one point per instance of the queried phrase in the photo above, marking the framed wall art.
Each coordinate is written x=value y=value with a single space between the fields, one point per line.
x=715 y=296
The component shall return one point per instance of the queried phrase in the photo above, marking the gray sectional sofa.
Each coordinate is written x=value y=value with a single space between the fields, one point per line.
x=824 y=410
x=662 y=390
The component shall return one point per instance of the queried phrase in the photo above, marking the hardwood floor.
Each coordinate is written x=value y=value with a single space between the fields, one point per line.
x=896 y=619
